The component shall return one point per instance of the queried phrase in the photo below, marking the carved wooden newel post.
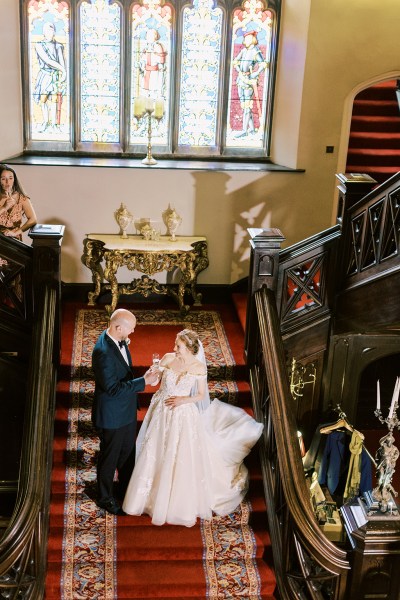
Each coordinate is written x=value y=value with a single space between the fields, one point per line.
x=265 y=246
x=46 y=244
x=375 y=559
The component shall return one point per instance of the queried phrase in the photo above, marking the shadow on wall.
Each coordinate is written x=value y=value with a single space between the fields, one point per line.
x=226 y=216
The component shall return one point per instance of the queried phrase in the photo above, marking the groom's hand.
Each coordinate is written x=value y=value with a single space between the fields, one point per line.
x=151 y=376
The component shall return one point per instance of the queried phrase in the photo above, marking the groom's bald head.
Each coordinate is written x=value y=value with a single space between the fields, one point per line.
x=122 y=324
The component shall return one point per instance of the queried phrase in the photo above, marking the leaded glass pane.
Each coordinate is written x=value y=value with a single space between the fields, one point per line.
x=250 y=58
x=151 y=68
x=48 y=33
x=200 y=69
x=100 y=71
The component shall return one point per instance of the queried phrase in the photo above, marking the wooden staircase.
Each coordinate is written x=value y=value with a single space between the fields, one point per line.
x=374 y=144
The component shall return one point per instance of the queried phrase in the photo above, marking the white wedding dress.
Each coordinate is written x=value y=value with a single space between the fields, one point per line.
x=189 y=464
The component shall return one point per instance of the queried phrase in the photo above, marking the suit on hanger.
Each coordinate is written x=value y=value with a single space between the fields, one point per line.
x=114 y=414
x=335 y=463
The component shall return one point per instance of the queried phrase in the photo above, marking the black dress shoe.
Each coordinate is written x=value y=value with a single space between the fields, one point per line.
x=111 y=506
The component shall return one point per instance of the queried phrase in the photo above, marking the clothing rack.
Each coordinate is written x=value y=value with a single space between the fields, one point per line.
x=344 y=423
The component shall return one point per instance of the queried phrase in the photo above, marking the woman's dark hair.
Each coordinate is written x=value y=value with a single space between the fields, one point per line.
x=17 y=186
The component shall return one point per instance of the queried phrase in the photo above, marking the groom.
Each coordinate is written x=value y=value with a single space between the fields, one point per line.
x=115 y=406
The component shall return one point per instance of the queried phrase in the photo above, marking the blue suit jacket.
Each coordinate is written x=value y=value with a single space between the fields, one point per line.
x=115 y=395
x=335 y=462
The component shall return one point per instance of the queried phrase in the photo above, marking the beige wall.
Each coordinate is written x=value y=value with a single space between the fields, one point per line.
x=328 y=51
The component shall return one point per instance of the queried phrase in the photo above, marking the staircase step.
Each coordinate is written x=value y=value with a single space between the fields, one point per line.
x=363 y=139
x=377 y=156
x=240 y=302
x=138 y=538
x=367 y=123
x=375 y=107
x=378 y=170
x=177 y=580
x=379 y=91
x=181 y=543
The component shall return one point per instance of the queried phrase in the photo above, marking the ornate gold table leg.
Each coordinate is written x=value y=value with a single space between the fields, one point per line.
x=91 y=258
x=200 y=263
x=112 y=263
x=180 y=296
x=191 y=264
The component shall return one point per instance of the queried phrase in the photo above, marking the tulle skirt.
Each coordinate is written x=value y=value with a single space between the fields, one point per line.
x=189 y=464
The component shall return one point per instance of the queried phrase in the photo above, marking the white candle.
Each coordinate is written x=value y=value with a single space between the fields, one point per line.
x=138 y=107
x=149 y=104
x=159 y=108
x=378 y=396
x=395 y=397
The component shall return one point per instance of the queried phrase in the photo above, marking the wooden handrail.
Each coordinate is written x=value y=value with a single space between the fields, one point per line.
x=283 y=470
x=23 y=546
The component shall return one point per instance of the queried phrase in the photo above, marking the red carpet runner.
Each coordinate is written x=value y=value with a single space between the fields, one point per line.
x=95 y=555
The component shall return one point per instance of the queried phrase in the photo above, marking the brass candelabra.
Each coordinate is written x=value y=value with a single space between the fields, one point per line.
x=147 y=107
x=387 y=455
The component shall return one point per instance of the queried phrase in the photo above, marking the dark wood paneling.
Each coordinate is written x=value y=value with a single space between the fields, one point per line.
x=375 y=305
x=13 y=378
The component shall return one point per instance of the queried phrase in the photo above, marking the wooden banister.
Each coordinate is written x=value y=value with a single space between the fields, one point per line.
x=29 y=327
x=301 y=302
x=304 y=558
x=23 y=545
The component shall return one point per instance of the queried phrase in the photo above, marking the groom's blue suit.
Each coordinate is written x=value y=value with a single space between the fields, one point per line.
x=114 y=415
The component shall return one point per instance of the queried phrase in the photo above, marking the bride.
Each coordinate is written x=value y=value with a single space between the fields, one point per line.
x=189 y=451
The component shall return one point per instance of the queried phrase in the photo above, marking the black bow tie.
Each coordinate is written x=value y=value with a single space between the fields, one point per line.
x=122 y=344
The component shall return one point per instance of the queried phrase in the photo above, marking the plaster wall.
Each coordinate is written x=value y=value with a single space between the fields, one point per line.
x=327 y=50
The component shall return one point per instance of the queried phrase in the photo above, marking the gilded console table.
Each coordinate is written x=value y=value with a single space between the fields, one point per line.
x=104 y=254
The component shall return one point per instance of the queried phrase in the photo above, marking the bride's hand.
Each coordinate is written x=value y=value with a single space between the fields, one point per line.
x=174 y=401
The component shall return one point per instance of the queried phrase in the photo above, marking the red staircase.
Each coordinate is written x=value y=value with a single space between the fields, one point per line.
x=152 y=562
x=374 y=144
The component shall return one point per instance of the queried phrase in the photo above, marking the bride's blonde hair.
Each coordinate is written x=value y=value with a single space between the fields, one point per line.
x=191 y=340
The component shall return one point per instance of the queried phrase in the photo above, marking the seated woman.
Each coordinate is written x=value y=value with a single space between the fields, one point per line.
x=189 y=457
x=14 y=205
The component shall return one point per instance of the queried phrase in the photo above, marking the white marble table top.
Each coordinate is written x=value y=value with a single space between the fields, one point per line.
x=138 y=243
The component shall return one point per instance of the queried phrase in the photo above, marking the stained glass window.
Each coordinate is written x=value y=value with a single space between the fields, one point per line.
x=250 y=59
x=151 y=68
x=48 y=26
x=100 y=54
x=202 y=69
x=200 y=74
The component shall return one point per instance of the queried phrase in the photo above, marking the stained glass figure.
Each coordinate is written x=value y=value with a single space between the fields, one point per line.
x=200 y=74
x=100 y=71
x=151 y=66
x=48 y=31
x=250 y=57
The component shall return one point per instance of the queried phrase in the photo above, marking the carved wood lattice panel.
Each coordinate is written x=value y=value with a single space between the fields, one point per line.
x=371 y=244
x=390 y=237
x=356 y=239
x=303 y=286
x=12 y=287
x=375 y=234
